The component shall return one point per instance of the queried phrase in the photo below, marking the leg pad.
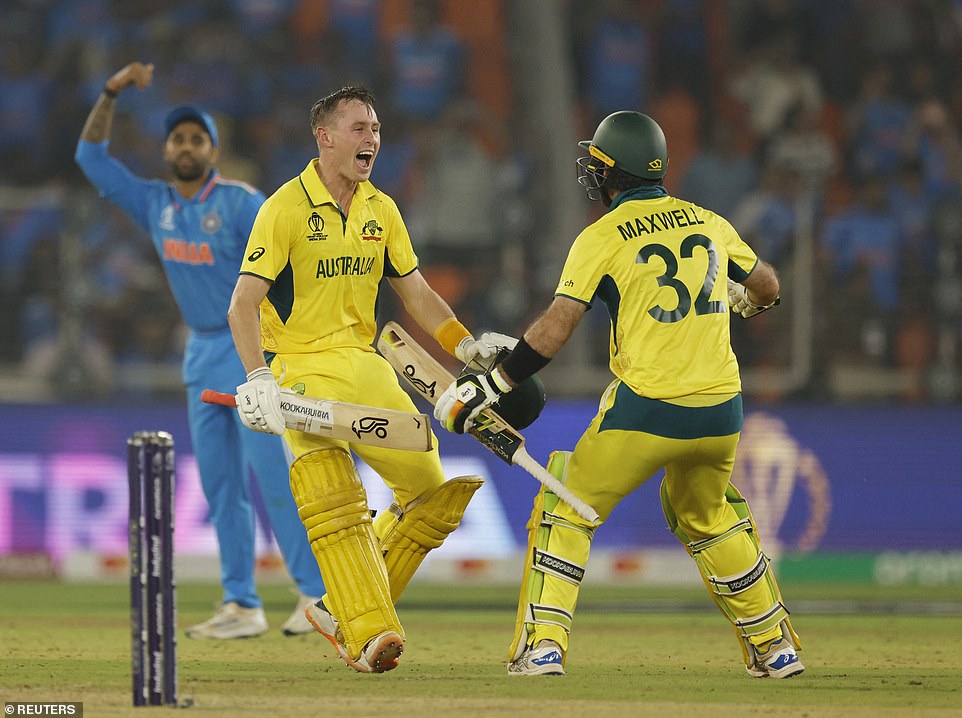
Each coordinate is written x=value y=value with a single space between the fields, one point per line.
x=738 y=575
x=410 y=534
x=557 y=553
x=333 y=508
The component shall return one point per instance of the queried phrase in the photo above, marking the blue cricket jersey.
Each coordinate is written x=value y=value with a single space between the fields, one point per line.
x=200 y=241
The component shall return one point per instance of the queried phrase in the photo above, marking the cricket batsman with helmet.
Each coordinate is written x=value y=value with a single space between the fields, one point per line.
x=669 y=273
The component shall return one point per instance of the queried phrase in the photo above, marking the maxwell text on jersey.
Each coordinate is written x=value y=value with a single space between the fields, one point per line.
x=657 y=221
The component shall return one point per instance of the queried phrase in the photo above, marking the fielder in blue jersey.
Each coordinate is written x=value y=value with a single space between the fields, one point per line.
x=199 y=225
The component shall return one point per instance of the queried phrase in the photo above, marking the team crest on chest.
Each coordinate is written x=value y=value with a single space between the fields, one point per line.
x=372 y=231
x=211 y=222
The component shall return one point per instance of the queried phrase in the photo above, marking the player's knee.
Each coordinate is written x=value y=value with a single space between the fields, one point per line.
x=328 y=492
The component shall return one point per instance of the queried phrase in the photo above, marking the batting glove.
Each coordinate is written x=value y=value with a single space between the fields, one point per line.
x=470 y=349
x=740 y=303
x=467 y=397
x=259 y=402
x=482 y=354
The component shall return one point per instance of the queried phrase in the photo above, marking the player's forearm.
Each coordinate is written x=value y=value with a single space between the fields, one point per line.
x=99 y=121
x=243 y=316
x=246 y=332
x=762 y=284
x=554 y=327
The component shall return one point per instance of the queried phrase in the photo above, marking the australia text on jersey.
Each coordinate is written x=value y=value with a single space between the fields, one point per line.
x=344 y=266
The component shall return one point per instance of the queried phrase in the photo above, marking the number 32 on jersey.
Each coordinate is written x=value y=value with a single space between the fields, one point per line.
x=702 y=303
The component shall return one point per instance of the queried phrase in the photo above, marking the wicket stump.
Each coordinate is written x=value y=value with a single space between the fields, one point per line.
x=153 y=596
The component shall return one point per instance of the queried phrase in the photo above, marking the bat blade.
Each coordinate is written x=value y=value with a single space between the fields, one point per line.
x=387 y=428
x=427 y=377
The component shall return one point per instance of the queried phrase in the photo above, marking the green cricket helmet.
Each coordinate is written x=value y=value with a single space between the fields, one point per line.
x=627 y=142
x=523 y=404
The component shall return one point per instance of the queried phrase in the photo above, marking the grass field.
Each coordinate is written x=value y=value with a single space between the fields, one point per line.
x=635 y=652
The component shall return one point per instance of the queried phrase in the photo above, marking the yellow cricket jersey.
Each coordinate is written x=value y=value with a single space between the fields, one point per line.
x=325 y=268
x=660 y=265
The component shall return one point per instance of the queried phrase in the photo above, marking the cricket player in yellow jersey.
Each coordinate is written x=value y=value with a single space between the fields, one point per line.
x=669 y=273
x=302 y=317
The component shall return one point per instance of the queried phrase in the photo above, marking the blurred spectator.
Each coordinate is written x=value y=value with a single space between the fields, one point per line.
x=934 y=139
x=804 y=148
x=257 y=18
x=455 y=221
x=70 y=355
x=877 y=120
x=721 y=174
x=682 y=38
x=913 y=208
x=396 y=171
x=757 y=22
x=615 y=57
x=25 y=96
x=428 y=63
x=867 y=238
x=774 y=85
x=676 y=109
x=766 y=218
x=357 y=26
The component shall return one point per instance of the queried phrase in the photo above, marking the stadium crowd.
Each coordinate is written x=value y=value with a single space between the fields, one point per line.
x=829 y=127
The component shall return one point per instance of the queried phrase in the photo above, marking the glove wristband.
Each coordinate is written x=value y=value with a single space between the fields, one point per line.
x=523 y=362
x=450 y=333
x=112 y=94
x=501 y=384
x=260 y=372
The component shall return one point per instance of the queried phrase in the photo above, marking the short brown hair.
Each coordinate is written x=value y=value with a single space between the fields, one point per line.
x=326 y=106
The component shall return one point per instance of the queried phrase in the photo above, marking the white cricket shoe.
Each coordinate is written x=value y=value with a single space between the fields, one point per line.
x=297 y=623
x=231 y=620
x=545 y=659
x=779 y=661
x=379 y=655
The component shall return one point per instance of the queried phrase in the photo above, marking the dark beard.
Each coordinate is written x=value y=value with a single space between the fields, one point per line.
x=192 y=172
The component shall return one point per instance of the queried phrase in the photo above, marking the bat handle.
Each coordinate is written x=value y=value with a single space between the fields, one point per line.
x=209 y=396
x=523 y=459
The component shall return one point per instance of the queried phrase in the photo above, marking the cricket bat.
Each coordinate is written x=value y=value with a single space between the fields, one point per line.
x=429 y=379
x=387 y=428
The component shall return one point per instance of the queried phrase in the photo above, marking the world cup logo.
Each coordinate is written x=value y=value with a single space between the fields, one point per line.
x=785 y=485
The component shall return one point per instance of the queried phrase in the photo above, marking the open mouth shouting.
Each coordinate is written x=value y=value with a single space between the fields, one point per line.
x=365 y=160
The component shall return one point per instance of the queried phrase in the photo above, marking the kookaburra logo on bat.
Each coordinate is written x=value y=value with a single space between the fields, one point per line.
x=370 y=424
x=426 y=389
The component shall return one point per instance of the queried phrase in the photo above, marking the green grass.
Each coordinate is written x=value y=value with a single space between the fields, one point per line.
x=635 y=652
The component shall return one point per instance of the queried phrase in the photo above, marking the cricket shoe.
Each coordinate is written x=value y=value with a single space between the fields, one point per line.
x=231 y=620
x=545 y=659
x=297 y=623
x=379 y=655
x=779 y=661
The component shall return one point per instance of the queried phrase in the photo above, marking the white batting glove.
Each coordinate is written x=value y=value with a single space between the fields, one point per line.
x=470 y=349
x=740 y=303
x=466 y=397
x=498 y=340
x=483 y=352
x=259 y=402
